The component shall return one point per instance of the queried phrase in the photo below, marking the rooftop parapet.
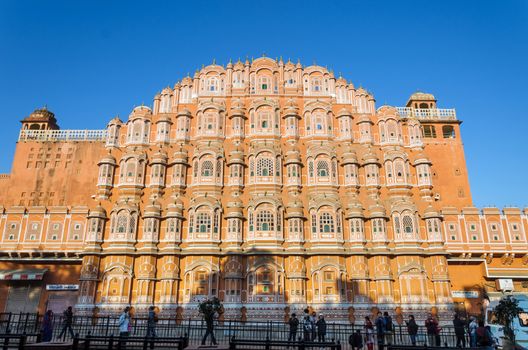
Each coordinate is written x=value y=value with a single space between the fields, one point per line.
x=61 y=135
x=427 y=113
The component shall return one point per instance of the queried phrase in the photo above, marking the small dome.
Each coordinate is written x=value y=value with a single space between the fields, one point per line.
x=184 y=112
x=422 y=96
x=343 y=112
x=152 y=210
x=377 y=210
x=354 y=209
x=236 y=157
x=108 y=159
x=160 y=157
x=430 y=213
x=349 y=157
x=370 y=157
x=294 y=210
x=98 y=212
x=175 y=209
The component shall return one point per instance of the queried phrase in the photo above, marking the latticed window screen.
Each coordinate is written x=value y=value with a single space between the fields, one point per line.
x=265 y=221
x=264 y=167
x=322 y=168
x=207 y=168
x=218 y=167
x=407 y=224
x=203 y=223
x=326 y=222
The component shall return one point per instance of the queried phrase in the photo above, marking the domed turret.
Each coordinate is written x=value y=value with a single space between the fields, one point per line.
x=40 y=119
x=421 y=100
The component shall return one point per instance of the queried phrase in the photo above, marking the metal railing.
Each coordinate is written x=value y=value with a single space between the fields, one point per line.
x=62 y=135
x=106 y=326
x=428 y=113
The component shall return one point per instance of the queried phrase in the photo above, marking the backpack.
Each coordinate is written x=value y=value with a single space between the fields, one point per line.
x=388 y=325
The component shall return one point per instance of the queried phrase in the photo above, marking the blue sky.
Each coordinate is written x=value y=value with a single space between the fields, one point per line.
x=91 y=60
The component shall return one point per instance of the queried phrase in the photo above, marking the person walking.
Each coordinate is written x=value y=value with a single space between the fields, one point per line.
x=431 y=324
x=460 y=331
x=389 y=328
x=124 y=327
x=293 y=322
x=380 y=330
x=47 y=326
x=472 y=329
x=209 y=325
x=151 y=325
x=321 y=328
x=369 y=333
x=67 y=323
x=412 y=329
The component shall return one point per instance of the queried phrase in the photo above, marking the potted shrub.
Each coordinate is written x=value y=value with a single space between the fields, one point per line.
x=505 y=312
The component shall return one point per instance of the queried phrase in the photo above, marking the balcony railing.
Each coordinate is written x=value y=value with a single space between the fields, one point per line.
x=427 y=114
x=62 y=135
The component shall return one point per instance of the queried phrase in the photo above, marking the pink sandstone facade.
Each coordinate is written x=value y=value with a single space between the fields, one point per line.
x=268 y=184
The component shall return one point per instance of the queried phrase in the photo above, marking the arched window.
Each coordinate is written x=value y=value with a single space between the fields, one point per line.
x=265 y=221
x=264 y=166
x=212 y=84
x=448 y=132
x=326 y=223
x=203 y=223
x=207 y=168
x=407 y=224
x=322 y=168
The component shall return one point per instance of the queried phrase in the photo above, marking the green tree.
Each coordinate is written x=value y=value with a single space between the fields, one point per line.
x=208 y=308
x=506 y=311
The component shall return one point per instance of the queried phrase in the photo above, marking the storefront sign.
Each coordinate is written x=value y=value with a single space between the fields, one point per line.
x=465 y=294
x=504 y=284
x=57 y=287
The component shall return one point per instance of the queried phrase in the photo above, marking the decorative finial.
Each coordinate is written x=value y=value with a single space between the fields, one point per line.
x=214 y=60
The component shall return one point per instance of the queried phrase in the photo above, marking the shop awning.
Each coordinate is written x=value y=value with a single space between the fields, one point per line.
x=22 y=275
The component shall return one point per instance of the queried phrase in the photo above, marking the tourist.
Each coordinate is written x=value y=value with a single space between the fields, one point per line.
x=460 y=331
x=124 y=327
x=294 y=325
x=307 y=328
x=431 y=325
x=47 y=326
x=380 y=330
x=388 y=328
x=412 y=329
x=209 y=330
x=356 y=340
x=321 y=328
x=313 y=319
x=67 y=323
x=369 y=333
x=151 y=325
x=484 y=338
x=472 y=329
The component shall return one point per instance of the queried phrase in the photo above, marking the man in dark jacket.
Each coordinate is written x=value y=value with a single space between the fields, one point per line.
x=460 y=331
x=321 y=328
x=388 y=328
x=380 y=330
x=67 y=322
x=294 y=325
x=412 y=329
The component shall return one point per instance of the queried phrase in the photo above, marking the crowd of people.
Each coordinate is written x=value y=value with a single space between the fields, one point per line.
x=312 y=327
x=381 y=331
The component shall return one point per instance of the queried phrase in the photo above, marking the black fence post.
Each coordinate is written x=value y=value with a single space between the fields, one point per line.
x=111 y=342
x=6 y=341
x=22 y=342
x=87 y=340
x=75 y=343
x=8 y=326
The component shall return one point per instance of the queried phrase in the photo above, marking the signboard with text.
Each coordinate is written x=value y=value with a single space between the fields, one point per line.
x=58 y=287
